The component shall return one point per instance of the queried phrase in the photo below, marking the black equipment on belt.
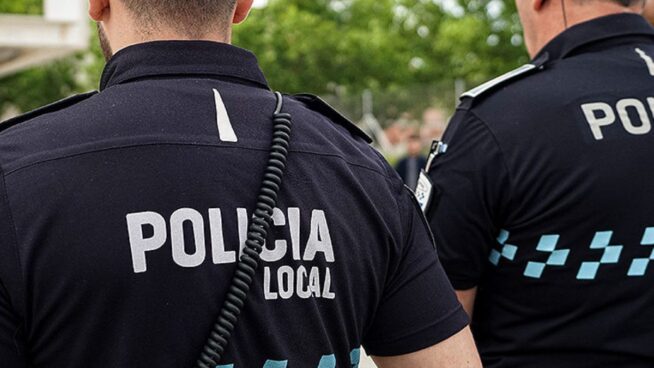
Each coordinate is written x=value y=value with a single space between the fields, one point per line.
x=246 y=268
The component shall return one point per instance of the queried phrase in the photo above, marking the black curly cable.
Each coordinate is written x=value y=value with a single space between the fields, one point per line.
x=246 y=268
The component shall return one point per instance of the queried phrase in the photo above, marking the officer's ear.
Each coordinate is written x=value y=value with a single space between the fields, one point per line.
x=98 y=9
x=242 y=10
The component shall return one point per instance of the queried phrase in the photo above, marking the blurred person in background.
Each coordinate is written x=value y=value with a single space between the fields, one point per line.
x=433 y=125
x=542 y=202
x=124 y=212
x=395 y=133
x=409 y=167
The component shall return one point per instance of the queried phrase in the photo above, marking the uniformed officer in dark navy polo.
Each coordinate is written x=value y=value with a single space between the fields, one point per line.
x=541 y=194
x=124 y=213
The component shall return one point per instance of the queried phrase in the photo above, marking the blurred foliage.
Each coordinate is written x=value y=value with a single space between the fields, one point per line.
x=408 y=52
x=21 y=6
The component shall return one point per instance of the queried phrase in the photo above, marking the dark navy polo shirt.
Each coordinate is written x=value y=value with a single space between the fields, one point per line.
x=122 y=215
x=545 y=203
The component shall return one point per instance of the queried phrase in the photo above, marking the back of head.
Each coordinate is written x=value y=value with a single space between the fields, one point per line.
x=543 y=20
x=191 y=18
x=123 y=23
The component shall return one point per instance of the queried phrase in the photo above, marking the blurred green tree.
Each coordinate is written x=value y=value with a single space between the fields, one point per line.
x=21 y=6
x=408 y=52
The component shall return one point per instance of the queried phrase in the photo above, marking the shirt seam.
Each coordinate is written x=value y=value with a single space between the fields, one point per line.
x=499 y=147
x=389 y=182
x=383 y=296
x=127 y=146
x=16 y=252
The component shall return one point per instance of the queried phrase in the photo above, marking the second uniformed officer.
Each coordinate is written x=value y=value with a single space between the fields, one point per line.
x=123 y=214
x=542 y=206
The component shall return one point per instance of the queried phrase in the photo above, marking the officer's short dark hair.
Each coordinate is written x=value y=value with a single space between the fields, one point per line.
x=193 y=18
x=629 y=2
x=621 y=2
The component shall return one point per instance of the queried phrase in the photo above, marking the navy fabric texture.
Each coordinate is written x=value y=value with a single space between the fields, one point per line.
x=121 y=218
x=545 y=204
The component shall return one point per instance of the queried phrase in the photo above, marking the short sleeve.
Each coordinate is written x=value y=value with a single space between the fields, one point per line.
x=472 y=189
x=419 y=308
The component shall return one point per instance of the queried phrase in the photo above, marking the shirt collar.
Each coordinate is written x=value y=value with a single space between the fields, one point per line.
x=599 y=29
x=179 y=58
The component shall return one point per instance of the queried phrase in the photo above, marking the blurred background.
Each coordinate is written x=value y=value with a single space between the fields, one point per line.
x=394 y=67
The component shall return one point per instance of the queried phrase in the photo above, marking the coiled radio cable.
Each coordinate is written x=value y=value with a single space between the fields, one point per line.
x=247 y=266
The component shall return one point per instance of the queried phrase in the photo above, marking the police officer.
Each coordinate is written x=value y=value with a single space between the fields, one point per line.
x=542 y=193
x=123 y=214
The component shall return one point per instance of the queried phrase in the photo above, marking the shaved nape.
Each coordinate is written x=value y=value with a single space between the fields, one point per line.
x=630 y=2
x=625 y=3
x=191 y=18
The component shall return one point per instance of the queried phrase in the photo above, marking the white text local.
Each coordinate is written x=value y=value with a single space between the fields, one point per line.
x=319 y=242
x=303 y=282
x=601 y=114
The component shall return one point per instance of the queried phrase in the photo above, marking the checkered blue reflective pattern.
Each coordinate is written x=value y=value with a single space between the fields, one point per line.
x=327 y=361
x=508 y=251
x=556 y=257
x=611 y=255
x=601 y=248
x=639 y=265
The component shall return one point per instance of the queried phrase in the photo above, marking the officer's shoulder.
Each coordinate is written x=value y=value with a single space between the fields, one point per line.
x=58 y=106
x=318 y=105
x=505 y=87
x=356 y=150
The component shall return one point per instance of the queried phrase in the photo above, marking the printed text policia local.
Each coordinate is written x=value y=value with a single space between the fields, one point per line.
x=311 y=280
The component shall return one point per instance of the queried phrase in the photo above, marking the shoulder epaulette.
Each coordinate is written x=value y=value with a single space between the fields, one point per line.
x=315 y=103
x=53 y=107
x=502 y=80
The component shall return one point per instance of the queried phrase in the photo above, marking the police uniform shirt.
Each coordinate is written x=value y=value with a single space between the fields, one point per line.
x=544 y=202
x=121 y=215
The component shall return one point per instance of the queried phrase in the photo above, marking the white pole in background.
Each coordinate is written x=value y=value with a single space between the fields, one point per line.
x=459 y=89
x=371 y=123
x=65 y=11
x=72 y=14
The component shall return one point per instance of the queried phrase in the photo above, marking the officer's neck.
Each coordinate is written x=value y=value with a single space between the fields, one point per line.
x=123 y=42
x=121 y=29
x=553 y=22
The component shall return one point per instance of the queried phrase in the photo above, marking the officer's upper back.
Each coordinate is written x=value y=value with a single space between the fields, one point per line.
x=189 y=148
x=176 y=111
x=613 y=61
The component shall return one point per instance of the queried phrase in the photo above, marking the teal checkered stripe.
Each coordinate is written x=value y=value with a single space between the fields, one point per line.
x=327 y=361
x=557 y=257
x=508 y=251
x=639 y=265
x=611 y=255
x=551 y=255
